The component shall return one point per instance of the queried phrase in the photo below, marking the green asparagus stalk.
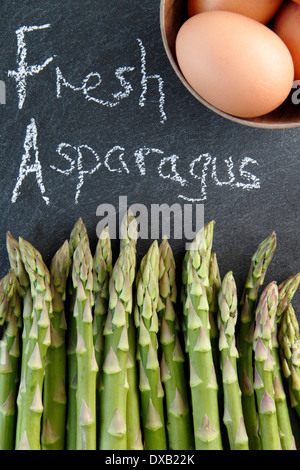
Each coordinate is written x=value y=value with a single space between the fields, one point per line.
x=128 y=230
x=215 y=283
x=102 y=268
x=286 y=291
x=54 y=394
x=29 y=402
x=213 y=292
x=133 y=415
x=289 y=340
x=10 y=313
x=17 y=265
x=264 y=368
x=77 y=234
x=203 y=382
x=87 y=368
x=259 y=264
x=283 y=417
x=201 y=249
x=233 y=411
x=128 y=234
x=173 y=367
x=113 y=433
x=9 y=293
x=146 y=321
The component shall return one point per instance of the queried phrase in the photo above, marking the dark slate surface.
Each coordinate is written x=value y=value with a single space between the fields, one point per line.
x=80 y=124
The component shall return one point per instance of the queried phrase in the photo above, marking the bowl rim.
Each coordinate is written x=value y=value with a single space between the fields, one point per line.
x=249 y=123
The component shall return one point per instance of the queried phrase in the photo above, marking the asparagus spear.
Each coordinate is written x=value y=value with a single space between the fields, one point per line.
x=8 y=285
x=283 y=418
x=128 y=229
x=128 y=234
x=214 y=288
x=263 y=375
x=214 y=285
x=233 y=411
x=30 y=406
x=289 y=340
x=87 y=368
x=179 y=422
x=133 y=414
x=113 y=433
x=212 y=297
x=146 y=320
x=259 y=264
x=203 y=383
x=78 y=233
x=10 y=313
x=54 y=394
x=102 y=268
x=201 y=249
x=17 y=265
x=286 y=291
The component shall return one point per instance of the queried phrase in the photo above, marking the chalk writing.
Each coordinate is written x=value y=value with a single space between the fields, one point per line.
x=173 y=174
x=253 y=182
x=24 y=70
x=80 y=167
x=202 y=177
x=85 y=89
x=82 y=160
x=140 y=155
x=76 y=160
x=27 y=166
x=120 y=159
x=229 y=164
x=90 y=83
x=144 y=82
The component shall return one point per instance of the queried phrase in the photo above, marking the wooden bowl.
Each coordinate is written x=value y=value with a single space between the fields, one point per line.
x=173 y=13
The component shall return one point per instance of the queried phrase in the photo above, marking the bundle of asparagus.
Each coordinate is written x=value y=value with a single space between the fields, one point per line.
x=102 y=355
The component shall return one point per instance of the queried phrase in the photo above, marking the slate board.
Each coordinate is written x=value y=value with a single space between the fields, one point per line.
x=153 y=143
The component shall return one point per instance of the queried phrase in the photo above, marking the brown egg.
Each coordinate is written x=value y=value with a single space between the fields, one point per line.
x=287 y=26
x=260 y=10
x=235 y=63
